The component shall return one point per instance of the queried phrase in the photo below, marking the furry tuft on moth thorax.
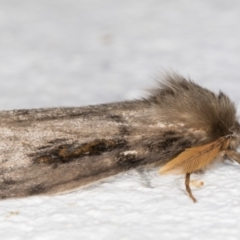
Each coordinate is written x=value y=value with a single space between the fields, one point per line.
x=178 y=100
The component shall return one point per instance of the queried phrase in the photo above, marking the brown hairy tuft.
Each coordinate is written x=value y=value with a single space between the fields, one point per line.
x=179 y=100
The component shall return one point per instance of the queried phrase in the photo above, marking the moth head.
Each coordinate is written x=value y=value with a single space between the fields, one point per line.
x=235 y=136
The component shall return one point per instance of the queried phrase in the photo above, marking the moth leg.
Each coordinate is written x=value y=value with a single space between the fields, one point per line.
x=144 y=177
x=233 y=155
x=189 y=191
x=196 y=183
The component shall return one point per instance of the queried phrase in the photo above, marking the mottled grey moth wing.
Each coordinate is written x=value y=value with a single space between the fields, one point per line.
x=49 y=151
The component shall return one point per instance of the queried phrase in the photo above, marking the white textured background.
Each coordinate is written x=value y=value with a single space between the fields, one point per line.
x=73 y=53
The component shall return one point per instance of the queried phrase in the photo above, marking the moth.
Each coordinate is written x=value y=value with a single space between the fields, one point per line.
x=180 y=127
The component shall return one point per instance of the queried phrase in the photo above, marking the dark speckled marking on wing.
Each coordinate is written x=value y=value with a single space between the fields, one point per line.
x=69 y=152
x=36 y=189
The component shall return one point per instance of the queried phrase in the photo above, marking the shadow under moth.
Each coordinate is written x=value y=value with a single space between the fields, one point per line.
x=180 y=126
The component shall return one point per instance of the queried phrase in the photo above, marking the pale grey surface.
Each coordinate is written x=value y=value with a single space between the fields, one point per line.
x=72 y=53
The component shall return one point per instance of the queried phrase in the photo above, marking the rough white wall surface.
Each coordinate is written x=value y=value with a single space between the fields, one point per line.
x=72 y=53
